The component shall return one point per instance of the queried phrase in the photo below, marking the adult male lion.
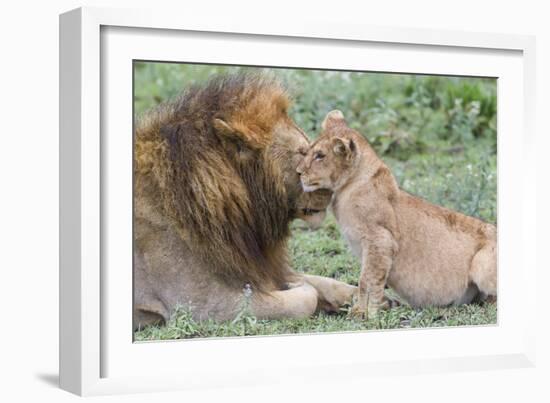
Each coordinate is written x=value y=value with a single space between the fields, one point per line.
x=215 y=190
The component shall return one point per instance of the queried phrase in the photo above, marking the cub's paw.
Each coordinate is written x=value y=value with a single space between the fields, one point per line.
x=370 y=311
x=363 y=313
x=357 y=312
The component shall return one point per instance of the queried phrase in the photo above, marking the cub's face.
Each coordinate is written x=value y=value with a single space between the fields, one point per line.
x=329 y=157
x=327 y=162
x=319 y=169
x=289 y=146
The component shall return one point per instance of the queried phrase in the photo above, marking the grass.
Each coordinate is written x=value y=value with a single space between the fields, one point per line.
x=438 y=135
x=182 y=325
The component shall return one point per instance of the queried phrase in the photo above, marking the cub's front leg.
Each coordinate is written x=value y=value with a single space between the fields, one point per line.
x=378 y=250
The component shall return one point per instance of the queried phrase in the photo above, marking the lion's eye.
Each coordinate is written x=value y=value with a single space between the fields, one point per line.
x=318 y=156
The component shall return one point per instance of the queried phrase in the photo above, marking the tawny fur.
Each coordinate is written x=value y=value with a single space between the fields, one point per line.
x=215 y=190
x=428 y=254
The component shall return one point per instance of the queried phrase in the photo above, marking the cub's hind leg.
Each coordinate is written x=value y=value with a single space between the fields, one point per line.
x=483 y=270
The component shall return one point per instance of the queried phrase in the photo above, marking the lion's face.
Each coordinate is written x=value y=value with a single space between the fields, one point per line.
x=290 y=145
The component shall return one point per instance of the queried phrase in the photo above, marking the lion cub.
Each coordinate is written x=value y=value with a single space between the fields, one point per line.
x=428 y=254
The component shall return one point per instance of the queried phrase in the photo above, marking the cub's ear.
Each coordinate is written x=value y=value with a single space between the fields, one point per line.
x=343 y=147
x=333 y=118
x=254 y=139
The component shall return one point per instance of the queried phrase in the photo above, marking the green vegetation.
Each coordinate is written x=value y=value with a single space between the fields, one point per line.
x=438 y=134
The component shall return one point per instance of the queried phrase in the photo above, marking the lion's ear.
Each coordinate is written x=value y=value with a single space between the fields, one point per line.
x=333 y=118
x=222 y=127
x=226 y=131
x=240 y=132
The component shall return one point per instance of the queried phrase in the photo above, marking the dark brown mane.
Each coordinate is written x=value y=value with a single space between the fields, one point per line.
x=232 y=212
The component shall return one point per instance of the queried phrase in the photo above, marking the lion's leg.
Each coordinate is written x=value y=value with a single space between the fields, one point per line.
x=333 y=294
x=483 y=270
x=148 y=309
x=145 y=317
x=377 y=260
x=297 y=303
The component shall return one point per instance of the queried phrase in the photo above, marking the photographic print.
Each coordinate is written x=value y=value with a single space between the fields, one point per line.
x=275 y=201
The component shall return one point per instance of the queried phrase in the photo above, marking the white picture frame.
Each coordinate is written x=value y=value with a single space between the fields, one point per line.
x=97 y=355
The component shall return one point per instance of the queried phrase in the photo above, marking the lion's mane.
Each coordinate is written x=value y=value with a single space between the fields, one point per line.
x=232 y=211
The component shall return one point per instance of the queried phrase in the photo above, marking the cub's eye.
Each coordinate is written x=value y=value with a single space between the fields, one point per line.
x=302 y=152
x=318 y=156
